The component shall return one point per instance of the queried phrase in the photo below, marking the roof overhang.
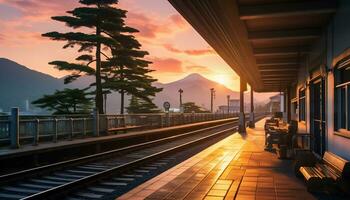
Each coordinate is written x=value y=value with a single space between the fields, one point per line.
x=263 y=41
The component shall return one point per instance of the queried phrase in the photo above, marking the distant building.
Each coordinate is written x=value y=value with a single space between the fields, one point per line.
x=275 y=103
x=234 y=107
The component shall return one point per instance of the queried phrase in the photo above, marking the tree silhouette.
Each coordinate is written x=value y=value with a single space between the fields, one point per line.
x=67 y=101
x=100 y=17
x=141 y=106
x=191 y=107
x=128 y=70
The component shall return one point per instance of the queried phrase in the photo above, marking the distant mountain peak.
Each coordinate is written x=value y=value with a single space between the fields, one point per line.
x=194 y=76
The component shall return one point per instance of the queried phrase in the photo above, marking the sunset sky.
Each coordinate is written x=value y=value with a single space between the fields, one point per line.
x=175 y=48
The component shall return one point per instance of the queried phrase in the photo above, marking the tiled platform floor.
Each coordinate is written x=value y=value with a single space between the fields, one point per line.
x=235 y=168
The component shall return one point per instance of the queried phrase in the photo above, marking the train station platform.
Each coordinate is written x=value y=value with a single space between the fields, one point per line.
x=234 y=168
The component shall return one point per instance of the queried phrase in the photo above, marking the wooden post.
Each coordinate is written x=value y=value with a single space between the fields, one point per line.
x=37 y=132
x=251 y=116
x=71 y=128
x=14 y=128
x=84 y=127
x=56 y=130
x=96 y=117
x=289 y=111
x=242 y=125
x=285 y=105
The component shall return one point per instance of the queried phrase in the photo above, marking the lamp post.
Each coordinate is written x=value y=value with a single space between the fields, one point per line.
x=212 y=96
x=180 y=92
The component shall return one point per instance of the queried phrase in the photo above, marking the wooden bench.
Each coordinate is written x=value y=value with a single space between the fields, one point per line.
x=283 y=139
x=331 y=173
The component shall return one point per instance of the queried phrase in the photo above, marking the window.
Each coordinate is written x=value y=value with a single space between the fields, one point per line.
x=302 y=103
x=342 y=98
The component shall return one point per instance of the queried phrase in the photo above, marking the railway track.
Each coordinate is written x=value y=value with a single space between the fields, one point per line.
x=109 y=174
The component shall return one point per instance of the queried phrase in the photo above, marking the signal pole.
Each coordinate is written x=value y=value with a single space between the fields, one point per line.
x=212 y=96
x=180 y=92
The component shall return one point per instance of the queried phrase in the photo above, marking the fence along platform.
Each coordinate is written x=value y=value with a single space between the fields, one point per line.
x=16 y=130
x=46 y=147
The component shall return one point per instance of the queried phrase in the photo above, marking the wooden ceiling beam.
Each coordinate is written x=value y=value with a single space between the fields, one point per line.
x=279 y=67
x=278 y=75
x=281 y=51
x=278 y=79
x=291 y=62
x=284 y=79
x=284 y=35
x=287 y=9
x=286 y=70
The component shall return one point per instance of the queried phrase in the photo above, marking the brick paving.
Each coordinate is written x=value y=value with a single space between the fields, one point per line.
x=234 y=168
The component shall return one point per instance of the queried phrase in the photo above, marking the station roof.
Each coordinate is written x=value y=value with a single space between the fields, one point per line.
x=263 y=41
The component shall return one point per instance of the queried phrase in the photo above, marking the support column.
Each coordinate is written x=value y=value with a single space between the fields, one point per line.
x=251 y=116
x=285 y=105
x=242 y=125
x=289 y=111
x=282 y=102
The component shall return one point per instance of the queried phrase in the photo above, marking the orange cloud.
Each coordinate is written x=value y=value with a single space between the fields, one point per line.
x=194 y=52
x=179 y=20
x=39 y=10
x=18 y=38
x=199 y=69
x=145 y=25
x=152 y=27
x=166 y=65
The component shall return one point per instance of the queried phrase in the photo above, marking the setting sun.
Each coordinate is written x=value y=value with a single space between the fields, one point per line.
x=227 y=80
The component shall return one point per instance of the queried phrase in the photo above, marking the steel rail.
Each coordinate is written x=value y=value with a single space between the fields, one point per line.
x=16 y=176
x=62 y=190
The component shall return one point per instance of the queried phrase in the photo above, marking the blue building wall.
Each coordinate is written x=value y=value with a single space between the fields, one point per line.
x=334 y=41
x=341 y=22
x=338 y=41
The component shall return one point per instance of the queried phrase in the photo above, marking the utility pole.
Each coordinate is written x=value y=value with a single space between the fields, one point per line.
x=180 y=92
x=212 y=96
x=228 y=104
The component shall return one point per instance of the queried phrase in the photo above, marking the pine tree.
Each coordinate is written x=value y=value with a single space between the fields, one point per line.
x=128 y=71
x=102 y=18
x=137 y=106
x=67 y=101
x=191 y=107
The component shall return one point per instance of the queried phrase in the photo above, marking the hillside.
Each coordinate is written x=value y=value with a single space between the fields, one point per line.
x=18 y=84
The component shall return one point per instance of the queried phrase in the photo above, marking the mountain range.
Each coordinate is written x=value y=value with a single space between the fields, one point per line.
x=20 y=85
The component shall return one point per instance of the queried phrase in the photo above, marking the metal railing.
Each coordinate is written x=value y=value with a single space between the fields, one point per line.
x=16 y=129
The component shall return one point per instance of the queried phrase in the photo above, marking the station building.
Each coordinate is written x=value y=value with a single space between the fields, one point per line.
x=299 y=48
